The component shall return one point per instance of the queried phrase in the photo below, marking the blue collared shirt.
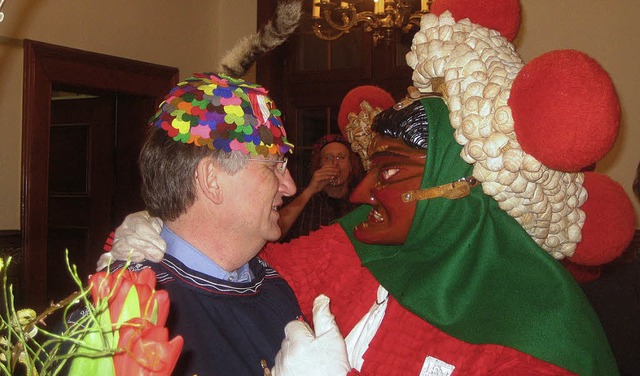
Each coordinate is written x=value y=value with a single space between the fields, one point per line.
x=198 y=261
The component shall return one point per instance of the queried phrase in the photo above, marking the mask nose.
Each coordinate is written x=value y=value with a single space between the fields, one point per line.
x=362 y=192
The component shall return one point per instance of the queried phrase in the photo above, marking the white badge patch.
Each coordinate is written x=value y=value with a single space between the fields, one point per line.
x=436 y=367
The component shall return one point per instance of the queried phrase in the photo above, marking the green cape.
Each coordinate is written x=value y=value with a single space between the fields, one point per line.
x=471 y=270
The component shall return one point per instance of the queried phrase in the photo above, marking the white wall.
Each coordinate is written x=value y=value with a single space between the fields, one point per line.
x=189 y=35
x=608 y=31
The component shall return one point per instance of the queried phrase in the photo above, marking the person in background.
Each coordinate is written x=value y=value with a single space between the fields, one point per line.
x=336 y=171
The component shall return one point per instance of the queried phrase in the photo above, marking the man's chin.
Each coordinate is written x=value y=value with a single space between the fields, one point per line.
x=274 y=235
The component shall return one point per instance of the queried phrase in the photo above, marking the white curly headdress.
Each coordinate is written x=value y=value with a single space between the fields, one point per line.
x=500 y=107
x=479 y=66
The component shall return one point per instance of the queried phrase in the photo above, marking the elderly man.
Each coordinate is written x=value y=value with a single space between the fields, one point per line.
x=214 y=170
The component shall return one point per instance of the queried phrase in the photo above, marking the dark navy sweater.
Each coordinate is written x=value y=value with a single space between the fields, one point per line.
x=228 y=328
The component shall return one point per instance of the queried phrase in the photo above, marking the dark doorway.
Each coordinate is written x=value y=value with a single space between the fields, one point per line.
x=79 y=171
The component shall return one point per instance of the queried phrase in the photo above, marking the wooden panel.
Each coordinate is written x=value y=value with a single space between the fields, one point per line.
x=46 y=65
x=76 y=242
x=68 y=150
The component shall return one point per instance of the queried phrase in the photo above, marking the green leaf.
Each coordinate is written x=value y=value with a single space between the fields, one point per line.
x=94 y=356
x=130 y=308
x=84 y=366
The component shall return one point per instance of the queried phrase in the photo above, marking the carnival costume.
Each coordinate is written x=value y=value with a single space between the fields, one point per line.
x=482 y=286
x=477 y=288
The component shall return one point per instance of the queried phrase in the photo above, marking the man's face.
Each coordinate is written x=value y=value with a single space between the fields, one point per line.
x=257 y=192
x=337 y=154
x=395 y=168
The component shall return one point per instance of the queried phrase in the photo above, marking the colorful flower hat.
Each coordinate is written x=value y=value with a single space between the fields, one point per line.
x=223 y=113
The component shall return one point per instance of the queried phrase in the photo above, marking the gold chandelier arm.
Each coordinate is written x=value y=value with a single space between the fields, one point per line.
x=334 y=20
x=317 y=30
x=368 y=18
x=348 y=19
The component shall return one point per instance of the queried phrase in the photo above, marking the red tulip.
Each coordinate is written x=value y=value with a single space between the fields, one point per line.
x=135 y=320
x=145 y=350
x=117 y=289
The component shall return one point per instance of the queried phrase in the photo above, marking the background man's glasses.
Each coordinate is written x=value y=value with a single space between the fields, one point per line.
x=329 y=158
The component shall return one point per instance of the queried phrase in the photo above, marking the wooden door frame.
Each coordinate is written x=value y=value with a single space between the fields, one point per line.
x=46 y=65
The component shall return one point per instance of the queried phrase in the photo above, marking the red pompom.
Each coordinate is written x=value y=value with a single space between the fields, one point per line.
x=374 y=95
x=565 y=110
x=502 y=16
x=610 y=223
x=582 y=273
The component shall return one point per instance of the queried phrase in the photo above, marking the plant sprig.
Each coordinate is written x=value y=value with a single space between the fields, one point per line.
x=27 y=347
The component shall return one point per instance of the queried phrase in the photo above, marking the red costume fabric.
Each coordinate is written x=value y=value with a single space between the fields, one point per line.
x=327 y=264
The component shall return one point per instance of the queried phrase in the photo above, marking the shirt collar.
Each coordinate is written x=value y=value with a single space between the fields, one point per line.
x=196 y=260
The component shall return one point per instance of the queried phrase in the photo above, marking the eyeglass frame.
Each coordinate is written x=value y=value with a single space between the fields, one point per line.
x=330 y=158
x=282 y=169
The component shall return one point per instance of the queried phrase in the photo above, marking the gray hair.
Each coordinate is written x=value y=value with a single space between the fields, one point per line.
x=168 y=170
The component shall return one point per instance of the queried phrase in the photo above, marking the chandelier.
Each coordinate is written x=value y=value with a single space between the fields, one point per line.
x=332 y=19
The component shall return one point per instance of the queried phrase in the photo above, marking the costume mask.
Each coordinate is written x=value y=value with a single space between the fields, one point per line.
x=397 y=160
x=395 y=168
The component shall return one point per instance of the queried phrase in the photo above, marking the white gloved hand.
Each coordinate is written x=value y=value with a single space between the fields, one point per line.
x=305 y=353
x=136 y=239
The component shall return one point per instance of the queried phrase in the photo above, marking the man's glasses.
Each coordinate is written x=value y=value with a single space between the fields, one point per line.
x=280 y=165
x=329 y=158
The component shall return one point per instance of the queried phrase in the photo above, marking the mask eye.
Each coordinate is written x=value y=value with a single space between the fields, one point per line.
x=389 y=173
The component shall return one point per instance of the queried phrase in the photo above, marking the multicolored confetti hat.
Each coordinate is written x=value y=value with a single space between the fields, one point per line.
x=223 y=113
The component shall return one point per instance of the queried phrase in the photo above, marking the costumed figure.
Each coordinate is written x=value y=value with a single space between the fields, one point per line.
x=473 y=194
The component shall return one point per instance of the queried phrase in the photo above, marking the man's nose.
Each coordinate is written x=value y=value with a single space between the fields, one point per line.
x=287 y=185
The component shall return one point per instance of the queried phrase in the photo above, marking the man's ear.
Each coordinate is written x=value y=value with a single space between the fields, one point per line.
x=207 y=180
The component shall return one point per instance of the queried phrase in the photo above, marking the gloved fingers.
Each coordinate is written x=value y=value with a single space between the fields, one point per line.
x=104 y=260
x=323 y=320
x=141 y=221
x=138 y=238
x=298 y=331
x=140 y=225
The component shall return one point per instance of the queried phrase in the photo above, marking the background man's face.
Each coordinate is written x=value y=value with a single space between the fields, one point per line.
x=395 y=168
x=338 y=155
